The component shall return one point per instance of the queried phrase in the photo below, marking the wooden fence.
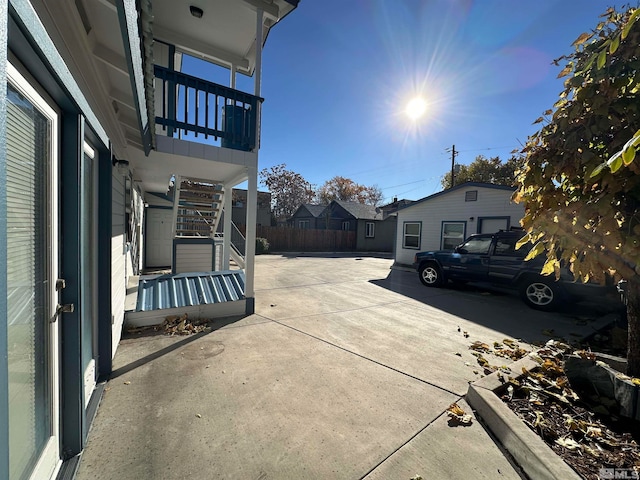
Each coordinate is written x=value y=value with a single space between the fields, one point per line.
x=287 y=239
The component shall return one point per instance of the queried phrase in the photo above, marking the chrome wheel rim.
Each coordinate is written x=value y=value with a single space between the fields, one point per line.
x=430 y=275
x=539 y=294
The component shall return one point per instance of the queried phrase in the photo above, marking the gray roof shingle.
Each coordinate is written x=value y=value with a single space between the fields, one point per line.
x=361 y=211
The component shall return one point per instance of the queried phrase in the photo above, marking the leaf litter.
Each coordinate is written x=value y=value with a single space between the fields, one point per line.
x=546 y=403
x=585 y=440
x=175 y=325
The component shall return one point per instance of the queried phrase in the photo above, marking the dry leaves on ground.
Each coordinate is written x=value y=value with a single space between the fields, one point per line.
x=544 y=400
x=175 y=325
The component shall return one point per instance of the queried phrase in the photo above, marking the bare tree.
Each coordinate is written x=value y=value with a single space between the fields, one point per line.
x=288 y=190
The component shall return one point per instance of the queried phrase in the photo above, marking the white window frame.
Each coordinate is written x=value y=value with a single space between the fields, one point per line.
x=406 y=235
x=443 y=237
x=49 y=461
x=369 y=229
x=347 y=224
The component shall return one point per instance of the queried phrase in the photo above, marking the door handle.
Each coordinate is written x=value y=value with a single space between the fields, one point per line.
x=66 y=308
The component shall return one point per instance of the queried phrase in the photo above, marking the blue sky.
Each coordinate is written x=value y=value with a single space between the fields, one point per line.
x=337 y=75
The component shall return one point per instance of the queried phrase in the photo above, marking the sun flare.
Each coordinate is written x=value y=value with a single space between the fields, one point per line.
x=416 y=108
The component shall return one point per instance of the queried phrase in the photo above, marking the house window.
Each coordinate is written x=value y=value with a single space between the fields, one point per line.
x=411 y=234
x=345 y=225
x=452 y=235
x=370 y=229
x=304 y=224
x=471 y=196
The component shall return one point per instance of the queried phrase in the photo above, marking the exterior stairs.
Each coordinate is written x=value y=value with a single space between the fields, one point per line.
x=197 y=207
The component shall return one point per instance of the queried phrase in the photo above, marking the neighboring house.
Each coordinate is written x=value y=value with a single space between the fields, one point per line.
x=239 y=205
x=307 y=216
x=443 y=220
x=396 y=205
x=96 y=114
x=375 y=230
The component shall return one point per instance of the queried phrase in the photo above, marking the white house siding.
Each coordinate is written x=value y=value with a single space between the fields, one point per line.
x=118 y=257
x=451 y=206
x=194 y=257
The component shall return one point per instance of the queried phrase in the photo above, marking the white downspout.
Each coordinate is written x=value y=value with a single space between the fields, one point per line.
x=252 y=179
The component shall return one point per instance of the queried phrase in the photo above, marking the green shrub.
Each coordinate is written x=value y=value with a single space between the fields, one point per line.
x=262 y=245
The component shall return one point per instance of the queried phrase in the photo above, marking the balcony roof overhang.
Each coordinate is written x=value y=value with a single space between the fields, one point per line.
x=88 y=36
x=226 y=32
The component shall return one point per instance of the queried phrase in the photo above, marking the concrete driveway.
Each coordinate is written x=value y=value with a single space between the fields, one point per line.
x=345 y=371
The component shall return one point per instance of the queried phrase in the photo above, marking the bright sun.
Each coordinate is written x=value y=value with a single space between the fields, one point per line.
x=416 y=108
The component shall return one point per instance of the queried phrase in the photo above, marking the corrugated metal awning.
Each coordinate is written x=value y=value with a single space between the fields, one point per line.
x=189 y=289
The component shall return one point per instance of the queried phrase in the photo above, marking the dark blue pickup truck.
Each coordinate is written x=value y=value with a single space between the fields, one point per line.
x=493 y=259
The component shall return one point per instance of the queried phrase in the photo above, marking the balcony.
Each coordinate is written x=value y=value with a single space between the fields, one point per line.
x=191 y=108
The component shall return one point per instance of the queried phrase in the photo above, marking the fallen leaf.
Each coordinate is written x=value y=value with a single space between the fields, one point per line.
x=127 y=382
x=198 y=415
x=568 y=443
x=458 y=415
x=465 y=334
x=480 y=347
x=455 y=409
x=458 y=354
x=594 y=432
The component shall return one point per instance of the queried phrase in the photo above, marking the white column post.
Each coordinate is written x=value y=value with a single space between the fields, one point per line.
x=252 y=179
x=226 y=226
x=250 y=248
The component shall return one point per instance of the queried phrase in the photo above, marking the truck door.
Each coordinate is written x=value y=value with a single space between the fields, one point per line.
x=505 y=261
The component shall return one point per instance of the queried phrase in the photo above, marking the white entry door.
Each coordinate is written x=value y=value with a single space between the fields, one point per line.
x=32 y=269
x=159 y=237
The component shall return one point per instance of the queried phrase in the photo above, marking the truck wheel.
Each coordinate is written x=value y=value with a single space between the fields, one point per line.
x=540 y=293
x=430 y=275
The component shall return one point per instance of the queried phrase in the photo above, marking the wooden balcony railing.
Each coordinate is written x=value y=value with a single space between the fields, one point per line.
x=191 y=105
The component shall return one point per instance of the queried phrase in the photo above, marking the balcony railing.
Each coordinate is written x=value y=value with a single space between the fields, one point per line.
x=193 y=106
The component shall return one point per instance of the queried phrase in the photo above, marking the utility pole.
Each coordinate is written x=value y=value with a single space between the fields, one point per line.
x=453 y=160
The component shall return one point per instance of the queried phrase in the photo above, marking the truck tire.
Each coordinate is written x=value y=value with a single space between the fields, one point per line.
x=540 y=293
x=431 y=275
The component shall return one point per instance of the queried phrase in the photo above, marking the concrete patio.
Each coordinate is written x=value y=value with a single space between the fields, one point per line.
x=345 y=371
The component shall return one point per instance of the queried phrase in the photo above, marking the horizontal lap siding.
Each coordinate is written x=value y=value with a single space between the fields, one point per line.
x=452 y=207
x=194 y=258
x=118 y=269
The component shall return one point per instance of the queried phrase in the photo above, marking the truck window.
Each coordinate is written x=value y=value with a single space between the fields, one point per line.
x=506 y=247
x=478 y=246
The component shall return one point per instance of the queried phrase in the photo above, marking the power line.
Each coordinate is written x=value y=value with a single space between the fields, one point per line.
x=402 y=184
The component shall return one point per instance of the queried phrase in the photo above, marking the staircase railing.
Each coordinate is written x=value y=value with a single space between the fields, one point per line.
x=237 y=244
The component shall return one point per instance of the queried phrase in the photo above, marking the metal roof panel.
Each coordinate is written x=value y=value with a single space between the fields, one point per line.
x=188 y=289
